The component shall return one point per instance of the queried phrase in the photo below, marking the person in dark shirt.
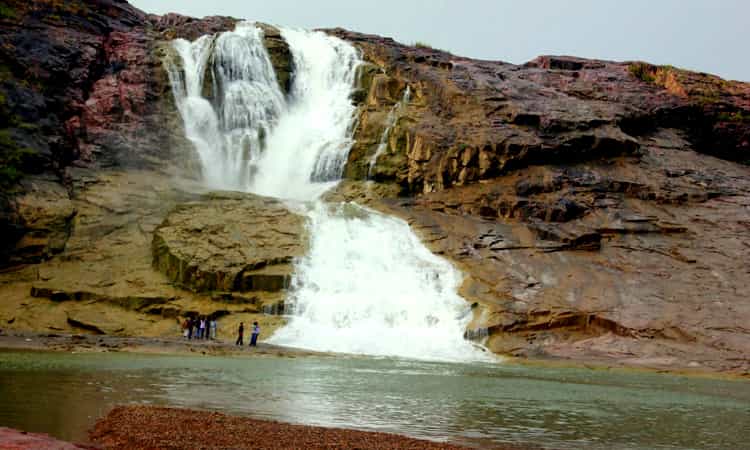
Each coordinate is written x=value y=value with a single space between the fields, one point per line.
x=240 y=333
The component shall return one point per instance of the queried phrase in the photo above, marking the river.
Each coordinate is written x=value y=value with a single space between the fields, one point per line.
x=477 y=404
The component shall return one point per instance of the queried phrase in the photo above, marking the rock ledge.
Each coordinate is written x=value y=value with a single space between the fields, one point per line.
x=229 y=242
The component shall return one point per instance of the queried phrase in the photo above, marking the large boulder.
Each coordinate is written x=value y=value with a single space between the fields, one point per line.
x=230 y=242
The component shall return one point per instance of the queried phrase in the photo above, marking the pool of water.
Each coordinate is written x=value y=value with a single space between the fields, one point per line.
x=479 y=404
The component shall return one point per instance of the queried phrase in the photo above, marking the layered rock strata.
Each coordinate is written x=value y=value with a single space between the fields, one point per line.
x=230 y=242
x=582 y=199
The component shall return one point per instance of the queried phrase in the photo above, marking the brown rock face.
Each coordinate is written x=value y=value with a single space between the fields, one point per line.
x=229 y=242
x=83 y=88
x=470 y=120
x=47 y=214
x=575 y=195
x=280 y=55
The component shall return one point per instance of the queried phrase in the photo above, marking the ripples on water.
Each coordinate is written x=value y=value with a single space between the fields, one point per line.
x=63 y=394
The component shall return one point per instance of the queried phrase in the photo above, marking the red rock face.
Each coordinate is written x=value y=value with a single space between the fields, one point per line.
x=82 y=88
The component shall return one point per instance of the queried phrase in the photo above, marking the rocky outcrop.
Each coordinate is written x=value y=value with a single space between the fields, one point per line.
x=280 y=55
x=576 y=196
x=47 y=215
x=78 y=88
x=470 y=120
x=83 y=89
x=104 y=281
x=230 y=242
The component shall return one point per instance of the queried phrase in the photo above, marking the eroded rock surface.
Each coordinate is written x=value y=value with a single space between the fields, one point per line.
x=576 y=196
x=230 y=242
x=468 y=120
x=83 y=89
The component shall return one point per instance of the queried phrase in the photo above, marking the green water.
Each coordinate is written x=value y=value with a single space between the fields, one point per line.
x=63 y=394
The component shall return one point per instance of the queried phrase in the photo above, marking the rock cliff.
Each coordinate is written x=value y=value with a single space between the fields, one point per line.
x=599 y=210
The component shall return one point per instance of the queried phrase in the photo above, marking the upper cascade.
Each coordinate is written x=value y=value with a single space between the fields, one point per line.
x=248 y=135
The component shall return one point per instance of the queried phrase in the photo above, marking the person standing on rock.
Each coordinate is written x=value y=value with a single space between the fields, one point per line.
x=185 y=326
x=191 y=324
x=254 y=337
x=202 y=329
x=213 y=328
x=240 y=333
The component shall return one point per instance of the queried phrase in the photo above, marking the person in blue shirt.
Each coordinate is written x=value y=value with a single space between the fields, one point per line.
x=254 y=337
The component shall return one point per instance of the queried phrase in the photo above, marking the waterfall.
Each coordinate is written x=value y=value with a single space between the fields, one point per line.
x=308 y=148
x=228 y=132
x=367 y=284
x=390 y=122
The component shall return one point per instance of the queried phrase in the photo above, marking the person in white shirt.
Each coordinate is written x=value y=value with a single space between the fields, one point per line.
x=254 y=337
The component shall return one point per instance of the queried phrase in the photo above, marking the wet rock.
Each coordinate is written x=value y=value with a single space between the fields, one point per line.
x=280 y=55
x=229 y=242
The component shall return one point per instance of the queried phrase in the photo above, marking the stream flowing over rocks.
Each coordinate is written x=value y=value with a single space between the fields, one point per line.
x=578 y=209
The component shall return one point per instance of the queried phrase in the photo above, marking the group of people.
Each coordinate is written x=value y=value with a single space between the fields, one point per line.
x=199 y=327
x=204 y=327
x=253 y=335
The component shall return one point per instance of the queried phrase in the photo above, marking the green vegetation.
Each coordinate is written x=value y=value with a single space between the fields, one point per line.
x=737 y=116
x=702 y=89
x=653 y=74
x=8 y=13
x=420 y=44
x=643 y=71
x=12 y=159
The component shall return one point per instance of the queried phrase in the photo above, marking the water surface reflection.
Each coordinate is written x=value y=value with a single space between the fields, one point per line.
x=63 y=394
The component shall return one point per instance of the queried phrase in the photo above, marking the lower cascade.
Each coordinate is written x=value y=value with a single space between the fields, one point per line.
x=367 y=284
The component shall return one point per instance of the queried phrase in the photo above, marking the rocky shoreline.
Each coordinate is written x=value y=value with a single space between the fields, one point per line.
x=130 y=427
x=152 y=427
x=81 y=343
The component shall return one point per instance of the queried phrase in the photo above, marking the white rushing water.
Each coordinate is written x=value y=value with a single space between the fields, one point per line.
x=367 y=285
